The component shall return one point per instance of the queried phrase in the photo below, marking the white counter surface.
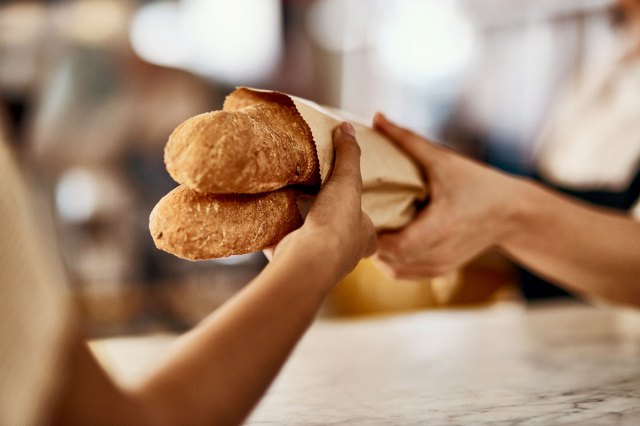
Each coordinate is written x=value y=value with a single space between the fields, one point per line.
x=553 y=364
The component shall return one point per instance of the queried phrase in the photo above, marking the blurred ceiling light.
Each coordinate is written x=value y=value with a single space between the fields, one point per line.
x=77 y=195
x=155 y=34
x=425 y=42
x=340 y=25
x=237 y=42
x=96 y=21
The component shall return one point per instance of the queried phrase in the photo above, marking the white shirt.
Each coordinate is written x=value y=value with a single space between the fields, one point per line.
x=592 y=141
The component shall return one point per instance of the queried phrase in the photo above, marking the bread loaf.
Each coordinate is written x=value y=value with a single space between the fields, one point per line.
x=198 y=226
x=234 y=167
x=257 y=148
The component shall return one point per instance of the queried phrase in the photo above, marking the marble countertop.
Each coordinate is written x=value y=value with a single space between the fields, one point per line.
x=551 y=364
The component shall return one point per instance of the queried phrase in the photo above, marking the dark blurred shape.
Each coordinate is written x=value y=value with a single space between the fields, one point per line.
x=22 y=29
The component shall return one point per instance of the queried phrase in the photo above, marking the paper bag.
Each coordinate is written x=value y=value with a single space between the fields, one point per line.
x=392 y=183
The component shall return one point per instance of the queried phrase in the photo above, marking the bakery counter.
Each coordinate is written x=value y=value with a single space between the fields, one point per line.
x=548 y=364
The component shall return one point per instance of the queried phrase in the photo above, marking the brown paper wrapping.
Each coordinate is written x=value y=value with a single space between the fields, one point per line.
x=392 y=183
x=392 y=186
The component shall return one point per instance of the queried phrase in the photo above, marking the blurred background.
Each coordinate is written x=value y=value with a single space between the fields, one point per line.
x=90 y=90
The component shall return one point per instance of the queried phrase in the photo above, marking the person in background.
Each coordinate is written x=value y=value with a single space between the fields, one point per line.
x=216 y=372
x=589 y=250
x=590 y=144
x=589 y=149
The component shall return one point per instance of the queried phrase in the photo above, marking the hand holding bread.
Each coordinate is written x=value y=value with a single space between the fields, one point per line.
x=336 y=220
x=244 y=170
x=234 y=167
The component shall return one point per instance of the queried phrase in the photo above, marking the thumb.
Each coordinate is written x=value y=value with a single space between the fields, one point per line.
x=416 y=146
x=343 y=189
x=346 y=168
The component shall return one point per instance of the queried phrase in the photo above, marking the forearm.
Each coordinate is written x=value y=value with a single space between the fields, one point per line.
x=220 y=369
x=590 y=250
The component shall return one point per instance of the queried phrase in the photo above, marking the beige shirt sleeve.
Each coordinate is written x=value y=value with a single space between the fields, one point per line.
x=34 y=304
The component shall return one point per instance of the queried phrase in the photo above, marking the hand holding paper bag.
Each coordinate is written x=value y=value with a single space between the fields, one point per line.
x=275 y=143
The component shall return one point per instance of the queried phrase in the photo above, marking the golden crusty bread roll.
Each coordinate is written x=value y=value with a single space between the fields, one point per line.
x=254 y=149
x=199 y=226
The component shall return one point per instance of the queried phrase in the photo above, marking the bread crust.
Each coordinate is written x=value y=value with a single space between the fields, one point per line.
x=197 y=226
x=258 y=148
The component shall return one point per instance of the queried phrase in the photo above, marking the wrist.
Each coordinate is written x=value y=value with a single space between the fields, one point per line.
x=312 y=258
x=521 y=208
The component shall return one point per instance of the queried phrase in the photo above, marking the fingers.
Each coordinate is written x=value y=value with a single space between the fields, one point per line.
x=402 y=260
x=346 y=175
x=409 y=243
x=346 y=169
x=420 y=250
x=414 y=145
x=342 y=191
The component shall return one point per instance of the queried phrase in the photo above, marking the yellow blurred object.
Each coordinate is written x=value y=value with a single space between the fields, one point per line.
x=488 y=279
x=366 y=290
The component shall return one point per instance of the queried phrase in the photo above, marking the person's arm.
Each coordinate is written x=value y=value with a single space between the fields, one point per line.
x=219 y=370
x=593 y=251
x=589 y=250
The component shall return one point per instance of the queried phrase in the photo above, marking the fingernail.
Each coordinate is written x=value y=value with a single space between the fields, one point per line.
x=348 y=129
